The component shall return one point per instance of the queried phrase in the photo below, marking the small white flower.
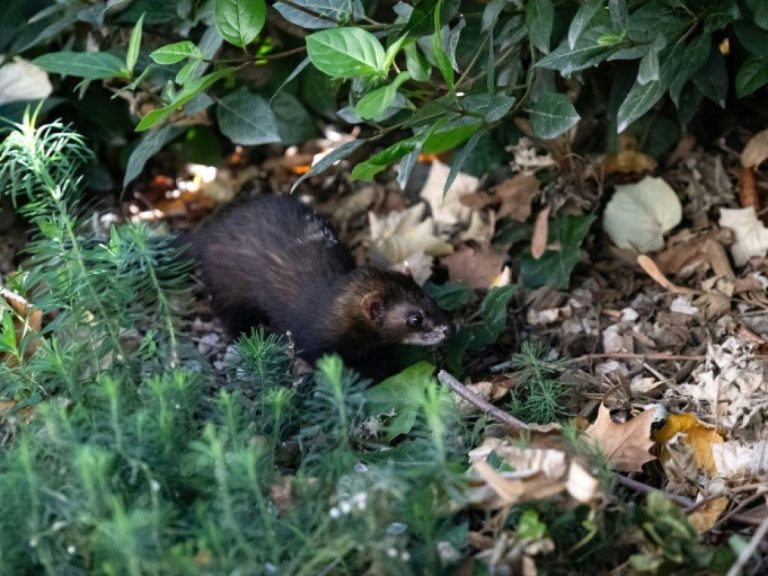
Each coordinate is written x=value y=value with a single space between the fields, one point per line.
x=334 y=513
x=71 y=549
x=392 y=552
x=154 y=485
x=59 y=525
x=405 y=556
x=345 y=507
x=33 y=542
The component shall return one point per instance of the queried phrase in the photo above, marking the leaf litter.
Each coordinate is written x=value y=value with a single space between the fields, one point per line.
x=666 y=375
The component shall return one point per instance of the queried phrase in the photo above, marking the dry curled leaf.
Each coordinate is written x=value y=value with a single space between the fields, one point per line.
x=756 y=150
x=478 y=268
x=750 y=234
x=540 y=234
x=625 y=445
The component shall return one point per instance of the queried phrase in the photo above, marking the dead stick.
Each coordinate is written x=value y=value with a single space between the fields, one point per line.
x=747 y=552
x=645 y=489
x=481 y=403
x=687 y=503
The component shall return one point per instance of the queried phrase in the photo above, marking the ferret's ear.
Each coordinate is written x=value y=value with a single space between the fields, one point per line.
x=373 y=306
x=407 y=268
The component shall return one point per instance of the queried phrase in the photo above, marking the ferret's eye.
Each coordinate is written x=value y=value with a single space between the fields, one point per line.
x=416 y=319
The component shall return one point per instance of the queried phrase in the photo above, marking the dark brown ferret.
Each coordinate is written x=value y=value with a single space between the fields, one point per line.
x=273 y=260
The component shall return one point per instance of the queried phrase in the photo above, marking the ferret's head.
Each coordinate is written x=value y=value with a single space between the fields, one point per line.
x=400 y=311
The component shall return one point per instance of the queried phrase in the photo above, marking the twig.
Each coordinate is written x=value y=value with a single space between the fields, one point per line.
x=645 y=489
x=747 y=552
x=476 y=400
x=656 y=356
x=686 y=503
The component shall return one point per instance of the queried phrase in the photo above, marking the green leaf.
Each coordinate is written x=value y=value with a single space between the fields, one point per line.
x=555 y=266
x=449 y=296
x=239 y=21
x=753 y=38
x=329 y=160
x=498 y=108
x=88 y=65
x=186 y=71
x=375 y=103
x=247 y=119
x=759 y=12
x=403 y=394
x=494 y=309
x=460 y=158
x=451 y=135
x=378 y=162
x=649 y=68
x=421 y=18
x=641 y=98
x=346 y=52
x=491 y=14
x=712 y=79
x=294 y=124
x=416 y=63
x=753 y=74
x=185 y=95
x=134 y=46
x=540 y=15
x=173 y=53
x=439 y=55
x=319 y=14
x=392 y=52
x=619 y=14
x=581 y=19
x=151 y=143
x=552 y=115
x=591 y=48
x=695 y=56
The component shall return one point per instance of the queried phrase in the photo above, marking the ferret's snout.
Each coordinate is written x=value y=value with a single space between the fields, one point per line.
x=448 y=330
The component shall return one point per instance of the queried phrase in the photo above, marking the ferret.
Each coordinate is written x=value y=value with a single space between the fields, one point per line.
x=273 y=260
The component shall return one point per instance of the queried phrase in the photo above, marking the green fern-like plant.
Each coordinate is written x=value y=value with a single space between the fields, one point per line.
x=540 y=396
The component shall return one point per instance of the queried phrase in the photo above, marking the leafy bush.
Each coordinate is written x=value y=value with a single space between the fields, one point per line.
x=429 y=77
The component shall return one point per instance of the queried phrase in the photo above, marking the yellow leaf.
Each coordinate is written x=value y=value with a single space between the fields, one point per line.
x=705 y=517
x=699 y=437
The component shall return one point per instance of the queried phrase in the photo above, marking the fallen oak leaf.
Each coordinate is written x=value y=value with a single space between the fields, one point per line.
x=625 y=445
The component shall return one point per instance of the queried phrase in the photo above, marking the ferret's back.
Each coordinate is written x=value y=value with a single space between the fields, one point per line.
x=263 y=258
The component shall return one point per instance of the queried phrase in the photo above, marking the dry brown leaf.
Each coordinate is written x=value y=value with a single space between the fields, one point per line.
x=625 y=445
x=650 y=268
x=511 y=491
x=28 y=318
x=684 y=258
x=478 y=268
x=540 y=234
x=516 y=195
x=756 y=150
